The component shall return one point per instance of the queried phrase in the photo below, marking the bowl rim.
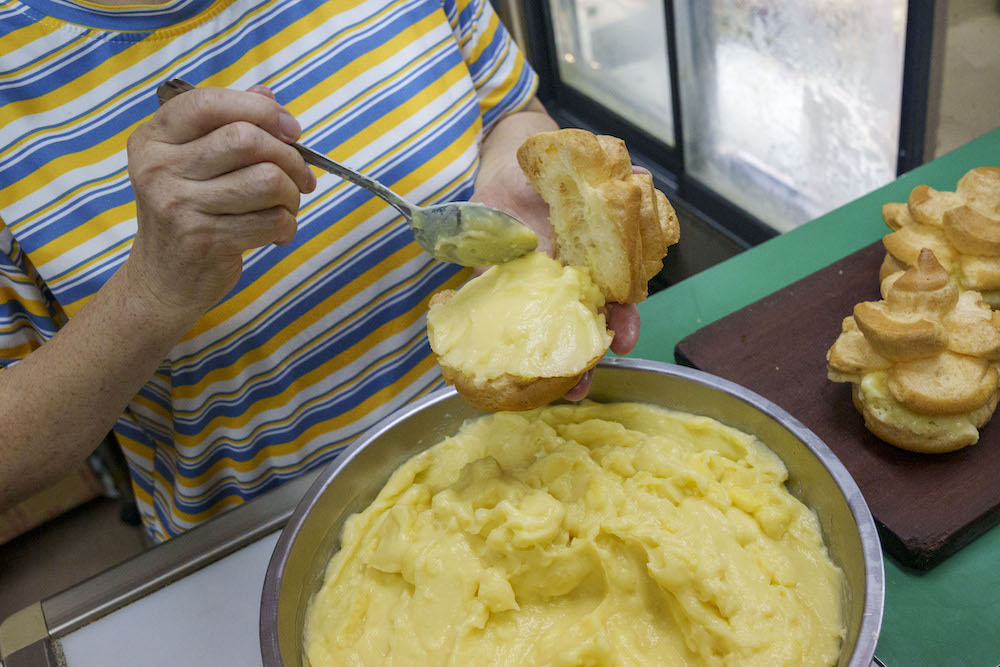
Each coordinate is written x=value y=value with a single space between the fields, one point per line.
x=873 y=607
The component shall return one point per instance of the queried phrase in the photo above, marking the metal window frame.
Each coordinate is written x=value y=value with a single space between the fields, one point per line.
x=920 y=93
x=923 y=57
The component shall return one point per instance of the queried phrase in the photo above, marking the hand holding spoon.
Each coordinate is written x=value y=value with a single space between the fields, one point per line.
x=465 y=233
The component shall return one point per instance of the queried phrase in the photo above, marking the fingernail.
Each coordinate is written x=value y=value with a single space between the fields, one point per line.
x=311 y=184
x=288 y=126
x=261 y=90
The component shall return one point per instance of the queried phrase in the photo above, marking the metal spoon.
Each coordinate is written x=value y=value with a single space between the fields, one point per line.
x=465 y=233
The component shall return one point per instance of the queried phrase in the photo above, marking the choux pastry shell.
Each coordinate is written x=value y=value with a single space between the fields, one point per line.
x=610 y=232
x=961 y=227
x=922 y=361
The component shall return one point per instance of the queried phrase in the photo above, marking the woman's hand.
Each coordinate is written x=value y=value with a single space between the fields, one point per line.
x=214 y=176
x=502 y=185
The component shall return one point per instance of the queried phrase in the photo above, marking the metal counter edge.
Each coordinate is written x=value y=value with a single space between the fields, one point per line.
x=156 y=568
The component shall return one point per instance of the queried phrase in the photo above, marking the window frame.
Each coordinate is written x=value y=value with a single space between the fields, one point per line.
x=572 y=108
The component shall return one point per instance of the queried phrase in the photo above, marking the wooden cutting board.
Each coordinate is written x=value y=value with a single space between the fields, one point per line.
x=926 y=506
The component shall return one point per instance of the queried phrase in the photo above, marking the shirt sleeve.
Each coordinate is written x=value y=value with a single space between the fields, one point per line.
x=29 y=315
x=503 y=79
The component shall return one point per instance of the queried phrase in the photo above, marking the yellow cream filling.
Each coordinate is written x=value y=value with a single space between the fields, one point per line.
x=531 y=317
x=484 y=235
x=618 y=534
x=874 y=392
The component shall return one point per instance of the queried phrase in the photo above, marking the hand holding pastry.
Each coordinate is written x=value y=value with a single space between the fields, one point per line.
x=526 y=332
x=503 y=185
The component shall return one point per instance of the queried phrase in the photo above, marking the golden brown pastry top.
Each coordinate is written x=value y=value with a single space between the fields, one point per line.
x=961 y=227
x=936 y=343
x=604 y=216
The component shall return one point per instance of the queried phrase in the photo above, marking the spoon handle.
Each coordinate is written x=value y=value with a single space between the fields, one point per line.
x=348 y=174
x=174 y=87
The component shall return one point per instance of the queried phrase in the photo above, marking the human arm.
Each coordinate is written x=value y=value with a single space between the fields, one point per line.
x=213 y=177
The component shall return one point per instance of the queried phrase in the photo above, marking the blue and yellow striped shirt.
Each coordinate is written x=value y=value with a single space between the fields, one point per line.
x=319 y=339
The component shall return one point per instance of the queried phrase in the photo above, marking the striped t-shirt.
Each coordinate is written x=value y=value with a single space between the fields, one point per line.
x=319 y=339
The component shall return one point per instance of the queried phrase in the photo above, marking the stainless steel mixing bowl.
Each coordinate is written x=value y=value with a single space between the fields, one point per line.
x=351 y=482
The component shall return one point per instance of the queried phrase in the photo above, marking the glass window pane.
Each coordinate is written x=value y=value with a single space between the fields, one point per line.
x=616 y=53
x=791 y=107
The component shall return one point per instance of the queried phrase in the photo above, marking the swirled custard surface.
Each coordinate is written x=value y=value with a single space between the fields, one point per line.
x=531 y=317
x=598 y=534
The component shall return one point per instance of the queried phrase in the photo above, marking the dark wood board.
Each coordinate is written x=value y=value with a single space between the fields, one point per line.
x=926 y=506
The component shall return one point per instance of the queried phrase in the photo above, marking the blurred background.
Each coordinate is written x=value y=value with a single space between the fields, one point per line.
x=757 y=116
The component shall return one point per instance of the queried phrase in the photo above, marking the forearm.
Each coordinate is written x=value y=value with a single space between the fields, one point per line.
x=60 y=401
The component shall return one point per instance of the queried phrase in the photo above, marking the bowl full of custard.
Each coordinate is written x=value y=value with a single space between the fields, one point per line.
x=671 y=518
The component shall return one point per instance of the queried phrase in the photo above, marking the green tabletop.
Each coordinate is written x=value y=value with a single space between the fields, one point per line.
x=950 y=615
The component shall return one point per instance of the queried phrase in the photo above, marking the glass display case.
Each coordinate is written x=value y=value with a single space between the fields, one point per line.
x=792 y=108
x=763 y=114
x=630 y=76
